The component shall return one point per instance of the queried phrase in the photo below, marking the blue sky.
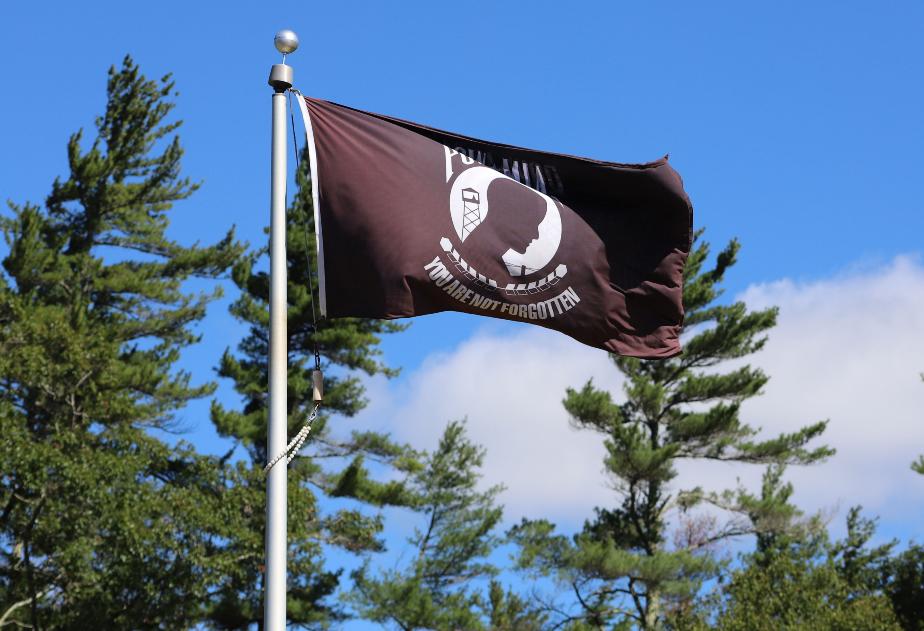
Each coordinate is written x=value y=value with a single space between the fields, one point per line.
x=796 y=126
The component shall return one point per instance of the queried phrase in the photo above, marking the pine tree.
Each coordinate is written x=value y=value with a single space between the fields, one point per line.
x=904 y=585
x=508 y=611
x=918 y=465
x=796 y=578
x=805 y=582
x=346 y=346
x=620 y=567
x=435 y=589
x=103 y=525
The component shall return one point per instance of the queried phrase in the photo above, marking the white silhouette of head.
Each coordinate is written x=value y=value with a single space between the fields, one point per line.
x=469 y=206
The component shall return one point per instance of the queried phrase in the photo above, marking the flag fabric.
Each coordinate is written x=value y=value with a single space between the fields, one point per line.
x=413 y=220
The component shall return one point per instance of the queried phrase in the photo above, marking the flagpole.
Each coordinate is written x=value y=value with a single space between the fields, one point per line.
x=274 y=582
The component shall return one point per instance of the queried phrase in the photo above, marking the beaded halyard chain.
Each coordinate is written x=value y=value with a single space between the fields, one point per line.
x=296 y=443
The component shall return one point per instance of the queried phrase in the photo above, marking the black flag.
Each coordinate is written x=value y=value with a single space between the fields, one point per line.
x=413 y=220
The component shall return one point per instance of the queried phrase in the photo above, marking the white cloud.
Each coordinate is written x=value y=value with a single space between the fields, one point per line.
x=848 y=348
x=510 y=389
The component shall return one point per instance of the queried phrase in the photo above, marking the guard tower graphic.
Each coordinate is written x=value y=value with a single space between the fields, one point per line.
x=471 y=211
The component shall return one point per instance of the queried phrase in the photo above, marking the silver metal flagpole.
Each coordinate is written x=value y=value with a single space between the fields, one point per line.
x=274 y=581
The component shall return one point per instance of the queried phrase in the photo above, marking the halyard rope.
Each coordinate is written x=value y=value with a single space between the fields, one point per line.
x=314 y=317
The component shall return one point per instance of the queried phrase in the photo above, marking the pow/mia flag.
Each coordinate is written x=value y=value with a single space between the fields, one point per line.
x=413 y=220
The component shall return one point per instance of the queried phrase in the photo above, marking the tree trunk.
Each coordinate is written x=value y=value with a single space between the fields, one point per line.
x=652 y=620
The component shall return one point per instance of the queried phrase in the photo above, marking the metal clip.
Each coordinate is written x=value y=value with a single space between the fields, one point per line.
x=317 y=386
